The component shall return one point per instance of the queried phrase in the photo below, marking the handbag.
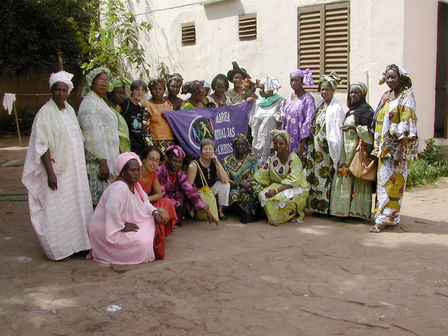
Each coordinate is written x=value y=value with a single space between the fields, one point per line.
x=159 y=242
x=207 y=196
x=362 y=166
x=249 y=211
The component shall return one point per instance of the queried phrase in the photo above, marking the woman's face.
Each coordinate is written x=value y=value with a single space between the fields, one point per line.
x=174 y=87
x=220 y=88
x=240 y=146
x=296 y=83
x=59 y=93
x=208 y=151
x=138 y=93
x=151 y=162
x=100 y=84
x=199 y=95
x=118 y=95
x=280 y=145
x=174 y=163
x=326 y=92
x=237 y=79
x=158 y=91
x=131 y=172
x=393 y=79
x=355 y=95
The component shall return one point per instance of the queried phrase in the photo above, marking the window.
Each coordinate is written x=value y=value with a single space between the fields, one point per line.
x=247 y=27
x=188 y=33
x=323 y=44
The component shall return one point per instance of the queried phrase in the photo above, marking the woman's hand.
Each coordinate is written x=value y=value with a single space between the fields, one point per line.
x=130 y=227
x=164 y=214
x=104 y=170
x=398 y=156
x=270 y=193
x=244 y=185
x=157 y=218
x=52 y=181
x=300 y=149
x=346 y=128
x=211 y=218
x=214 y=157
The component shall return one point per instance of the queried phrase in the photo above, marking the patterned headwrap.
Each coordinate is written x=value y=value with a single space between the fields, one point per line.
x=283 y=133
x=124 y=158
x=156 y=81
x=175 y=76
x=332 y=80
x=117 y=82
x=306 y=74
x=91 y=77
x=63 y=77
x=405 y=79
x=361 y=86
x=236 y=69
x=270 y=83
x=240 y=137
x=177 y=151
x=192 y=87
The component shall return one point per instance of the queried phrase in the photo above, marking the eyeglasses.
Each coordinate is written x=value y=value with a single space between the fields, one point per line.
x=153 y=159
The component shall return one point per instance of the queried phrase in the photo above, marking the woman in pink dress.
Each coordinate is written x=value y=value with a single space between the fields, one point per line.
x=122 y=226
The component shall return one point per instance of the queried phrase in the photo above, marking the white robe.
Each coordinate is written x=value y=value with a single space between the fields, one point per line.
x=60 y=216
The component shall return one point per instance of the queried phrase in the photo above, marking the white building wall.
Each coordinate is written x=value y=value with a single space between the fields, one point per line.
x=381 y=32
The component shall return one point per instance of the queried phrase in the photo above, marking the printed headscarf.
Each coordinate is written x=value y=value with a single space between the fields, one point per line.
x=192 y=87
x=236 y=69
x=270 y=83
x=175 y=76
x=361 y=86
x=240 y=137
x=332 y=80
x=306 y=74
x=91 y=77
x=63 y=77
x=283 y=133
x=117 y=82
x=405 y=79
x=124 y=158
x=362 y=111
x=177 y=151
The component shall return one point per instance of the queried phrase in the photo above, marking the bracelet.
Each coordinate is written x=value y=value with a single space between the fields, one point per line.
x=155 y=211
x=276 y=191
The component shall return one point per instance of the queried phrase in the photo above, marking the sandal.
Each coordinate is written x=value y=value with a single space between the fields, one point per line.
x=377 y=228
x=222 y=217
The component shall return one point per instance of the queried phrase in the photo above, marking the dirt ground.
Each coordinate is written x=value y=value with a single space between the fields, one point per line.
x=321 y=277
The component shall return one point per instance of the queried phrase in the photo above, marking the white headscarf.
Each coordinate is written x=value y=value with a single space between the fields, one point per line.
x=63 y=77
x=270 y=83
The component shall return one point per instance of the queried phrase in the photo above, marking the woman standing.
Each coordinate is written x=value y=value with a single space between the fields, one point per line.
x=174 y=83
x=154 y=116
x=240 y=168
x=299 y=111
x=351 y=196
x=324 y=145
x=395 y=144
x=151 y=157
x=123 y=224
x=220 y=85
x=99 y=125
x=215 y=175
x=116 y=93
x=266 y=117
x=236 y=76
x=133 y=111
x=56 y=177
x=285 y=188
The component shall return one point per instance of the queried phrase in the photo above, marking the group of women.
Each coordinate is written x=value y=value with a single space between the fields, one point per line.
x=111 y=180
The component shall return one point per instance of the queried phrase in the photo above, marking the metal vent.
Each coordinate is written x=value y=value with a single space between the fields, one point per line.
x=188 y=33
x=247 y=27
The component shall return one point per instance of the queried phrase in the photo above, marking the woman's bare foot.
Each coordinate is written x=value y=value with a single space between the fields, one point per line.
x=377 y=228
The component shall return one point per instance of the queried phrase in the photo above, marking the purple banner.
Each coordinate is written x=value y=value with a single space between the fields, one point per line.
x=220 y=124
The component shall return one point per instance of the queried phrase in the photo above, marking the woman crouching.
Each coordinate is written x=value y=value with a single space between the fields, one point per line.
x=122 y=226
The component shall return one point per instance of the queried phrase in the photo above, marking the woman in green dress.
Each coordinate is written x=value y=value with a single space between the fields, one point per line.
x=285 y=188
x=241 y=166
x=351 y=196
x=324 y=145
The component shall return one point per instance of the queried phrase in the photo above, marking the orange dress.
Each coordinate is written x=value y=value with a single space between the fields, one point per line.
x=164 y=203
x=159 y=128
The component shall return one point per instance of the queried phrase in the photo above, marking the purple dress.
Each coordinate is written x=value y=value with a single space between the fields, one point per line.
x=298 y=118
x=177 y=187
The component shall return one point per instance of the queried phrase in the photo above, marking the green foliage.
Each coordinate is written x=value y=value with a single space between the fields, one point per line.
x=430 y=166
x=113 y=40
x=33 y=31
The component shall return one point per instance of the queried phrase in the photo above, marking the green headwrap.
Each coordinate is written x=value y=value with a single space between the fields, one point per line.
x=283 y=133
x=91 y=76
x=332 y=80
x=117 y=82
x=361 y=86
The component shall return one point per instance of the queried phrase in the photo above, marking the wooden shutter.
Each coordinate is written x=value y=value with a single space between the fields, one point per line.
x=247 y=27
x=323 y=40
x=188 y=33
